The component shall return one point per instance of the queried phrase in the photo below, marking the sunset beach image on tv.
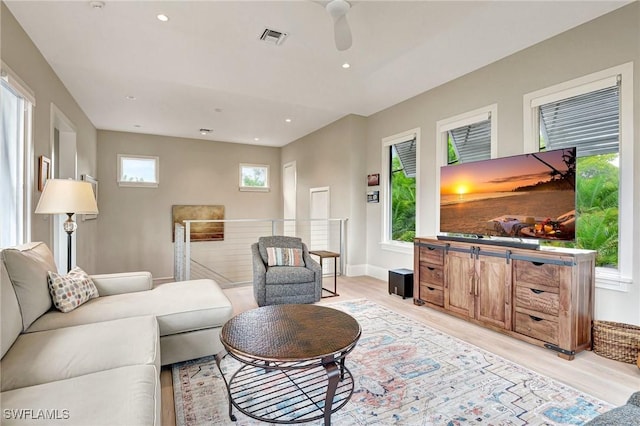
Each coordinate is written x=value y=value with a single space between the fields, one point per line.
x=523 y=196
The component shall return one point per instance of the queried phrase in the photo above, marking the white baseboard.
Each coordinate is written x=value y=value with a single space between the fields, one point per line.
x=369 y=270
x=356 y=270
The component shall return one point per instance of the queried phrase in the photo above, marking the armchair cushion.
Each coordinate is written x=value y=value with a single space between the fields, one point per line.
x=289 y=274
x=71 y=290
x=27 y=266
x=279 y=256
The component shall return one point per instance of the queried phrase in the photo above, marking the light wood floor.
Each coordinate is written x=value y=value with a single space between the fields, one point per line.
x=603 y=378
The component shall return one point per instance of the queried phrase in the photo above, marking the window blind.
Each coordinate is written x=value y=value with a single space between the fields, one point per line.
x=407 y=155
x=472 y=142
x=590 y=122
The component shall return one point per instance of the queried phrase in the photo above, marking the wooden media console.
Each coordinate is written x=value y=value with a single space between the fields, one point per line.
x=544 y=296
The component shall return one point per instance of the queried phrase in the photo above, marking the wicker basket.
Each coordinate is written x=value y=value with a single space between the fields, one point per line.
x=617 y=341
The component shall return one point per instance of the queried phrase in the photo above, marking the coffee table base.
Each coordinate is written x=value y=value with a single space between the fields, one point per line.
x=287 y=392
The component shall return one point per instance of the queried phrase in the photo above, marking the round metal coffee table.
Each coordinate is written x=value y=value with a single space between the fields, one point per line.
x=292 y=362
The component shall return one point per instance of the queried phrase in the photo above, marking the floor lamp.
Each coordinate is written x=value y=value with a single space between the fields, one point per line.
x=67 y=196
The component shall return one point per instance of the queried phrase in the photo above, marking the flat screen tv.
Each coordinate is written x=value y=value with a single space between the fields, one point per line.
x=523 y=197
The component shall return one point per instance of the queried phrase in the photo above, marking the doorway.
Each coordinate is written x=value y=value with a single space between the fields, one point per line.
x=289 y=198
x=63 y=166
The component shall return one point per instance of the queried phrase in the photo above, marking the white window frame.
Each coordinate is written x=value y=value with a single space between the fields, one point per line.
x=243 y=187
x=386 y=243
x=608 y=278
x=123 y=183
x=442 y=139
x=28 y=170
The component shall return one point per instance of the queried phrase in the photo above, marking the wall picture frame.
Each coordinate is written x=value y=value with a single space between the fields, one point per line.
x=94 y=184
x=44 y=171
x=373 y=179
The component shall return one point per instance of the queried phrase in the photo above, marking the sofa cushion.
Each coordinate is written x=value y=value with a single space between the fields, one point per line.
x=280 y=256
x=27 y=266
x=178 y=306
x=122 y=396
x=71 y=290
x=47 y=356
x=289 y=274
x=11 y=323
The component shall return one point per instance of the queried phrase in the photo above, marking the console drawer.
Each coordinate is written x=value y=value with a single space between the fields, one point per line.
x=431 y=255
x=431 y=274
x=534 y=273
x=536 y=327
x=433 y=295
x=537 y=300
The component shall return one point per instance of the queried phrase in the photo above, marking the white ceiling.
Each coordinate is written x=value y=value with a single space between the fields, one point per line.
x=206 y=67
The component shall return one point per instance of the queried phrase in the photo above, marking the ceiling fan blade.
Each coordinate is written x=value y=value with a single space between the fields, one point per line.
x=342 y=33
x=338 y=10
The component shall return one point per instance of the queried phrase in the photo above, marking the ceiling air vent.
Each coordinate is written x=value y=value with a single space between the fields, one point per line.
x=273 y=36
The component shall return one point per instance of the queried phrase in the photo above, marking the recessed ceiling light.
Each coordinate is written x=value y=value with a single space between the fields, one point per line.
x=288 y=120
x=137 y=125
x=205 y=131
x=130 y=98
x=162 y=17
x=218 y=110
x=96 y=4
x=346 y=65
x=256 y=139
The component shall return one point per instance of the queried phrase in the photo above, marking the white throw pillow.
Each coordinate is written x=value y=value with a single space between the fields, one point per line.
x=71 y=290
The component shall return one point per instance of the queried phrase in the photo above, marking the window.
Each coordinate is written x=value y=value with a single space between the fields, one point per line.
x=399 y=187
x=254 y=177
x=138 y=170
x=589 y=113
x=466 y=137
x=16 y=102
x=469 y=143
x=471 y=136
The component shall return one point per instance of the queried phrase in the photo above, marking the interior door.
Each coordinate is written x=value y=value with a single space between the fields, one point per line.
x=289 y=177
x=319 y=209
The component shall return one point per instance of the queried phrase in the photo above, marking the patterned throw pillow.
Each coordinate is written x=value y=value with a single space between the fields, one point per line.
x=279 y=256
x=71 y=290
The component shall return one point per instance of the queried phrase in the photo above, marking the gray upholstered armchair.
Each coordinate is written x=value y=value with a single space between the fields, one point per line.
x=294 y=276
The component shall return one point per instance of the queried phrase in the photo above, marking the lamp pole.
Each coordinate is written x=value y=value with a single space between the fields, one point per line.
x=69 y=226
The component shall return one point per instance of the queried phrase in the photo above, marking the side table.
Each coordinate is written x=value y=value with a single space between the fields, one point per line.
x=322 y=254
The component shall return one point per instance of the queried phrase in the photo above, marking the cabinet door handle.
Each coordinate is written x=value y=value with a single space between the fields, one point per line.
x=430 y=268
x=536 y=291
x=475 y=287
x=431 y=288
x=536 y=319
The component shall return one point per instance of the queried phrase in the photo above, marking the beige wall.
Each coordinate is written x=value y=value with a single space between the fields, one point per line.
x=333 y=157
x=611 y=40
x=22 y=56
x=135 y=223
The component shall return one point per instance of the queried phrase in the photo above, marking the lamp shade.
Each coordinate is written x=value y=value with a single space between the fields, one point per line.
x=67 y=196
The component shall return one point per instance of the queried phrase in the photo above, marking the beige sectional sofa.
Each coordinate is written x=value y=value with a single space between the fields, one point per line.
x=100 y=363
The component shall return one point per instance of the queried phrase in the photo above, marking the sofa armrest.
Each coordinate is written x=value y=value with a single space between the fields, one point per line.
x=125 y=282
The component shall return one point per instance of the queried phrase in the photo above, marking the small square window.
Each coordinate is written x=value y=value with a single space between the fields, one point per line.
x=254 y=177
x=138 y=170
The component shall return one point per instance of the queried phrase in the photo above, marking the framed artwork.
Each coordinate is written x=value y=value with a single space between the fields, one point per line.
x=204 y=231
x=44 y=171
x=373 y=179
x=373 y=197
x=94 y=184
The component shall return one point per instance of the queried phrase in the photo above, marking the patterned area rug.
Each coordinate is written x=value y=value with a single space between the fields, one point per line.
x=406 y=373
